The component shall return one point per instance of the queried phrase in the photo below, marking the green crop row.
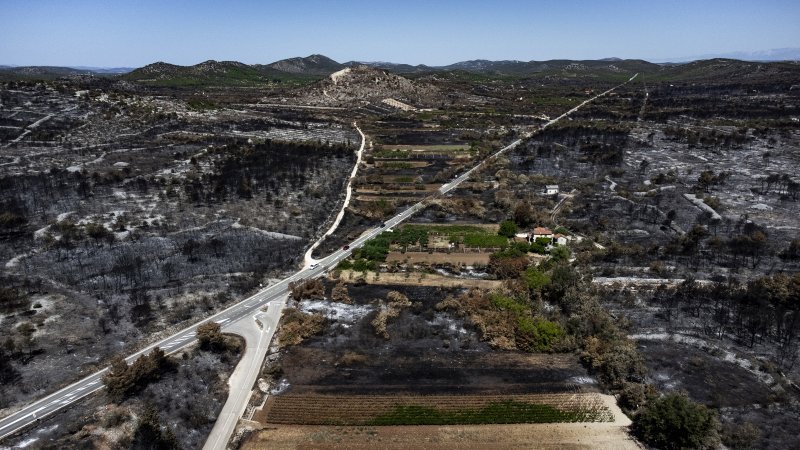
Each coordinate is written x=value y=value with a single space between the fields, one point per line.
x=493 y=413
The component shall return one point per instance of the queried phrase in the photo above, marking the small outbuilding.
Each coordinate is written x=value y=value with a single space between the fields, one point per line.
x=551 y=189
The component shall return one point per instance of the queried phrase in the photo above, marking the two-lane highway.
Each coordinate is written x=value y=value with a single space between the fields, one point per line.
x=35 y=411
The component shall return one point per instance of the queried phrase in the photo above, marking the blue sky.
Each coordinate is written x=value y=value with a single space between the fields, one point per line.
x=134 y=33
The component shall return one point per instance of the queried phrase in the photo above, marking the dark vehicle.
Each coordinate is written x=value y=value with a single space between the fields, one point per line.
x=346 y=247
x=383 y=225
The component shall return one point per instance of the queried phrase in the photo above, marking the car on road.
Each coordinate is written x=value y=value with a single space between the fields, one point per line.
x=383 y=225
x=313 y=266
x=346 y=247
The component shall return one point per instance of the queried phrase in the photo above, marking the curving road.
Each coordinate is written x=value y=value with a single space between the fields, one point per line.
x=308 y=259
x=30 y=414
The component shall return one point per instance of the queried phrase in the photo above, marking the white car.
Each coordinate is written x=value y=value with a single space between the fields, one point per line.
x=313 y=266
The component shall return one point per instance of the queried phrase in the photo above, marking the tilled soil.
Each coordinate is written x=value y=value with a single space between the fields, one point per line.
x=562 y=436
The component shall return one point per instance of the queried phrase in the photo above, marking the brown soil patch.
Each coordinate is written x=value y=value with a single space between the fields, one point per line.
x=468 y=258
x=417 y=279
x=541 y=436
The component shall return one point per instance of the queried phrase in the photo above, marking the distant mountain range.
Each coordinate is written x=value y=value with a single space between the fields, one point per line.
x=317 y=66
x=310 y=65
x=776 y=54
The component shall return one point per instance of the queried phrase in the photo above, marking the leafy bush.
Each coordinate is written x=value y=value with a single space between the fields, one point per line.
x=376 y=248
x=537 y=334
x=535 y=279
x=614 y=359
x=635 y=395
x=507 y=303
x=538 y=248
x=560 y=253
x=675 y=422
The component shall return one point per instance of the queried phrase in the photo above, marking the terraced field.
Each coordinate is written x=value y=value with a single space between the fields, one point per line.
x=315 y=409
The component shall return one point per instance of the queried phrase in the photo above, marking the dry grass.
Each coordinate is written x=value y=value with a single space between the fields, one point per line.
x=340 y=294
x=297 y=326
x=417 y=279
x=351 y=357
x=496 y=327
x=309 y=289
x=397 y=302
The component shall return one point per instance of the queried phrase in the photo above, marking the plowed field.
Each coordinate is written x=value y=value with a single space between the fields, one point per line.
x=314 y=409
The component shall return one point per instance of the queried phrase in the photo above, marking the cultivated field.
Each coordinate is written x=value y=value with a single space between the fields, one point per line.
x=311 y=409
x=565 y=436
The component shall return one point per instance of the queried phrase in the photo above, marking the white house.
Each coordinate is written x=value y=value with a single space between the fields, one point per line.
x=551 y=189
x=541 y=232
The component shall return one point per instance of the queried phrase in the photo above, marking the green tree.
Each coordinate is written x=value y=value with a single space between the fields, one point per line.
x=535 y=279
x=507 y=228
x=675 y=422
x=560 y=253
x=537 y=334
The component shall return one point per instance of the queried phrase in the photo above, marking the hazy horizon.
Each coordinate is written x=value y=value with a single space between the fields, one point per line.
x=98 y=34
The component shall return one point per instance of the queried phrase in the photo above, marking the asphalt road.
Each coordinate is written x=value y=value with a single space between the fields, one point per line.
x=257 y=332
x=39 y=409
